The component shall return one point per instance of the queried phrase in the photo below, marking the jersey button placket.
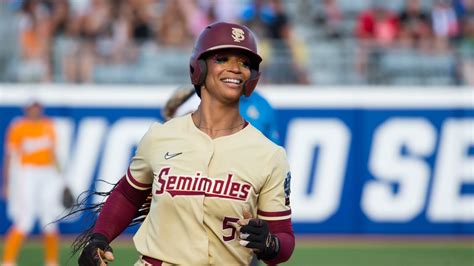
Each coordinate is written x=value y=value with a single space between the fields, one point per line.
x=209 y=156
x=207 y=163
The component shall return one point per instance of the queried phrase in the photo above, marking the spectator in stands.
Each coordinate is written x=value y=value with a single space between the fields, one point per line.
x=60 y=13
x=142 y=20
x=130 y=28
x=68 y=44
x=173 y=25
x=256 y=15
x=122 y=33
x=445 y=24
x=378 y=25
x=222 y=10
x=287 y=52
x=34 y=41
x=458 y=6
x=60 y=30
x=196 y=16
x=95 y=25
x=415 y=26
x=330 y=17
x=466 y=50
x=376 y=29
x=463 y=9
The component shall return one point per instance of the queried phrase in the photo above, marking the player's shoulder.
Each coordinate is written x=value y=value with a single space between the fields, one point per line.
x=47 y=121
x=172 y=126
x=177 y=123
x=259 y=139
x=154 y=128
x=18 y=123
x=272 y=155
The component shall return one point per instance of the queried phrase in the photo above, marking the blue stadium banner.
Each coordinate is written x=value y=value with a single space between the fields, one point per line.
x=371 y=160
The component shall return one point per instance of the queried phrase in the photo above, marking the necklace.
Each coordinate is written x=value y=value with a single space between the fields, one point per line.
x=219 y=129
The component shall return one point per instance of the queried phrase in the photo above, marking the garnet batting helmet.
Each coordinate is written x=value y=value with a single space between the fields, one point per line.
x=221 y=35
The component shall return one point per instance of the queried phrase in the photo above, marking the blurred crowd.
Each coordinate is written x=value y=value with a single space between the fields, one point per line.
x=95 y=32
x=444 y=27
x=447 y=26
x=75 y=37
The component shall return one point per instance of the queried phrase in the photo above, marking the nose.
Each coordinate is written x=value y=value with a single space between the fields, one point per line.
x=234 y=64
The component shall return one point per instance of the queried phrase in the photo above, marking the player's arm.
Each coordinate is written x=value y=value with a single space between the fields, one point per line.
x=118 y=211
x=12 y=142
x=121 y=206
x=67 y=198
x=283 y=239
x=271 y=234
x=54 y=146
x=272 y=241
x=5 y=173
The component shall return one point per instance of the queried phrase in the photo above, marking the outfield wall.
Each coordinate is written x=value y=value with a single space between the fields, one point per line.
x=374 y=160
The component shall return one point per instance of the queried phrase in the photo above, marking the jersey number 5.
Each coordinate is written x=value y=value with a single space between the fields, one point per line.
x=226 y=224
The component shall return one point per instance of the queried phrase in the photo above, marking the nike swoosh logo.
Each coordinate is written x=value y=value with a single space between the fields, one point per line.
x=169 y=156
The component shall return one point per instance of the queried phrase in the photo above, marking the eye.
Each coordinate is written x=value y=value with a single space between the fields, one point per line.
x=221 y=59
x=244 y=63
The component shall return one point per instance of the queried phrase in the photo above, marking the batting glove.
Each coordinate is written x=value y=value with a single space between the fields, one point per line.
x=94 y=252
x=256 y=235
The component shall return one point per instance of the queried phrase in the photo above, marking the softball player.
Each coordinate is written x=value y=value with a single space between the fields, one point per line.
x=30 y=146
x=220 y=189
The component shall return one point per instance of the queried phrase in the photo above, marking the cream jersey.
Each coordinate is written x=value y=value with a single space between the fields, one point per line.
x=200 y=186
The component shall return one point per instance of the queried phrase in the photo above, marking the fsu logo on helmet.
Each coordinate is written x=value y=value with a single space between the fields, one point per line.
x=238 y=34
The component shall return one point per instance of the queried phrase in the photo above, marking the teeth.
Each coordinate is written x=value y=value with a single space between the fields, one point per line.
x=235 y=81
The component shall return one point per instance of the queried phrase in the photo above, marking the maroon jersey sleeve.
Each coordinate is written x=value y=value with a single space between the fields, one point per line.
x=119 y=209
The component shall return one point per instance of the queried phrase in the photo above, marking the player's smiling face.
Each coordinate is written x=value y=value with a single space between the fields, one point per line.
x=227 y=70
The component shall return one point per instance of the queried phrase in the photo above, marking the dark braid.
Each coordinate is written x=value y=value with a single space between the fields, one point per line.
x=83 y=205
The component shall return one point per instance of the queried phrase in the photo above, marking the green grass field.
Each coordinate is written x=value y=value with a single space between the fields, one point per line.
x=324 y=252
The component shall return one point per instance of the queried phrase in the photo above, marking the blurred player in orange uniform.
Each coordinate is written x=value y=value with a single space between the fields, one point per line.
x=220 y=188
x=31 y=166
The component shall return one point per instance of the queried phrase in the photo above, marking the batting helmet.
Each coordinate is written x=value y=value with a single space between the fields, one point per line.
x=221 y=35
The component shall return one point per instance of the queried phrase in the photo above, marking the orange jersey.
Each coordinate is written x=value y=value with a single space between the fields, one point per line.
x=32 y=141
